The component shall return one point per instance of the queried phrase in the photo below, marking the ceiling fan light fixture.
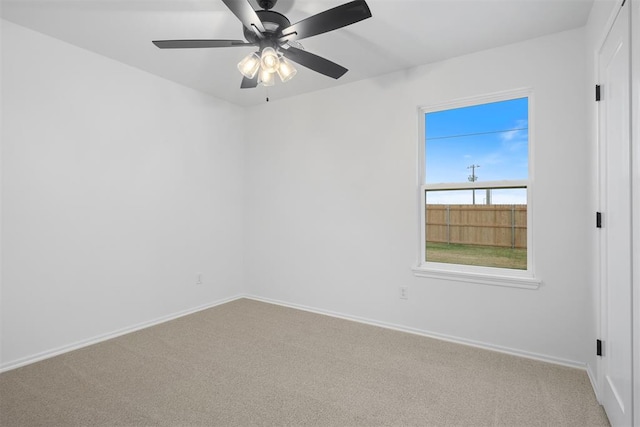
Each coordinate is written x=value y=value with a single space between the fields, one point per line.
x=250 y=65
x=271 y=32
x=266 y=78
x=269 y=60
x=286 y=70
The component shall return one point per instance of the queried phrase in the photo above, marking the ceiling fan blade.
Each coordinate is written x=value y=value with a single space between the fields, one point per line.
x=248 y=83
x=188 y=44
x=314 y=62
x=245 y=13
x=329 y=20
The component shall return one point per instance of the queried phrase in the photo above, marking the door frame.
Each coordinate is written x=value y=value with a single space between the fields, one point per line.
x=635 y=203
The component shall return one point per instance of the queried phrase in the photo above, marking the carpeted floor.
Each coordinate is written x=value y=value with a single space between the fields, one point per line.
x=248 y=363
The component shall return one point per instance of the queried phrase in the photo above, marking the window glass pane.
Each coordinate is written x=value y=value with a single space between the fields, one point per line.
x=492 y=232
x=477 y=143
x=486 y=142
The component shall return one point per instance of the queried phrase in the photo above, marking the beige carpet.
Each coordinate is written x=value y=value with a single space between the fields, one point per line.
x=248 y=363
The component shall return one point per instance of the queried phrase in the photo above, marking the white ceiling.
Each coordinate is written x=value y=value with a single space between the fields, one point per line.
x=400 y=35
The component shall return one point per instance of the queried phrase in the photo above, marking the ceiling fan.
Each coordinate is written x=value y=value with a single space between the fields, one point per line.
x=276 y=39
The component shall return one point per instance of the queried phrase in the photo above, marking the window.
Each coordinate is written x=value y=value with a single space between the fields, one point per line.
x=475 y=191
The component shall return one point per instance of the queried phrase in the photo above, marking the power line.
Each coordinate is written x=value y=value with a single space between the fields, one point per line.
x=475 y=134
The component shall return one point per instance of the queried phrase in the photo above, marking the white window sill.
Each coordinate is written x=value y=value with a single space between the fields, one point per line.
x=497 y=277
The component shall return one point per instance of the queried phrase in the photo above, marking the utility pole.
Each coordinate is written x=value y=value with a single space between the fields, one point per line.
x=473 y=178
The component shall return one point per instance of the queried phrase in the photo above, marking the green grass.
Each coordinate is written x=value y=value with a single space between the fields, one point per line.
x=487 y=256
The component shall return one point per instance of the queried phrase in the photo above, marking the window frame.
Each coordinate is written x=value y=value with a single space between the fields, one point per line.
x=470 y=273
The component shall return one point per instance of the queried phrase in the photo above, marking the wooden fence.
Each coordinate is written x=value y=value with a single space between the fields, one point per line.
x=486 y=225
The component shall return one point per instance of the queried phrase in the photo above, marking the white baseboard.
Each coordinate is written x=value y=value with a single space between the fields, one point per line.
x=478 y=344
x=429 y=334
x=594 y=383
x=104 y=337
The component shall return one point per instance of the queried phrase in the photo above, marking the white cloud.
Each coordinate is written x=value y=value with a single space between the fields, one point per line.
x=516 y=138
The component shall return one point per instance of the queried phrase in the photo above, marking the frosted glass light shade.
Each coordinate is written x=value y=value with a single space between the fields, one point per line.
x=266 y=78
x=249 y=65
x=286 y=70
x=269 y=60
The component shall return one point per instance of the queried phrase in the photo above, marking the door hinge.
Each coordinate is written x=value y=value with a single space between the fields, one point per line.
x=598 y=348
x=598 y=219
x=597 y=92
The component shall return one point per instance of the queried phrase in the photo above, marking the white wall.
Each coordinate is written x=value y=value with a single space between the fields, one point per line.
x=117 y=186
x=1 y=145
x=332 y=215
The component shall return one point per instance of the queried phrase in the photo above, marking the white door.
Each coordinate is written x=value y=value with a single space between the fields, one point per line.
x=615 y=200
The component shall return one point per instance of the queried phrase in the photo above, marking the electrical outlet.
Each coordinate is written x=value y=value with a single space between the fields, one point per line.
x=404 y=292
x=198 y=278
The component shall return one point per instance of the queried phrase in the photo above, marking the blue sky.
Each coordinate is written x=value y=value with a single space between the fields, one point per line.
x=460 y=137
x=494 y=136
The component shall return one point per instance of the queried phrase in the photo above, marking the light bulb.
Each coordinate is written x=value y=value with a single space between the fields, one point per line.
x=266 y=78
x=269 y=60
x=286 y=70
x=249 y=65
